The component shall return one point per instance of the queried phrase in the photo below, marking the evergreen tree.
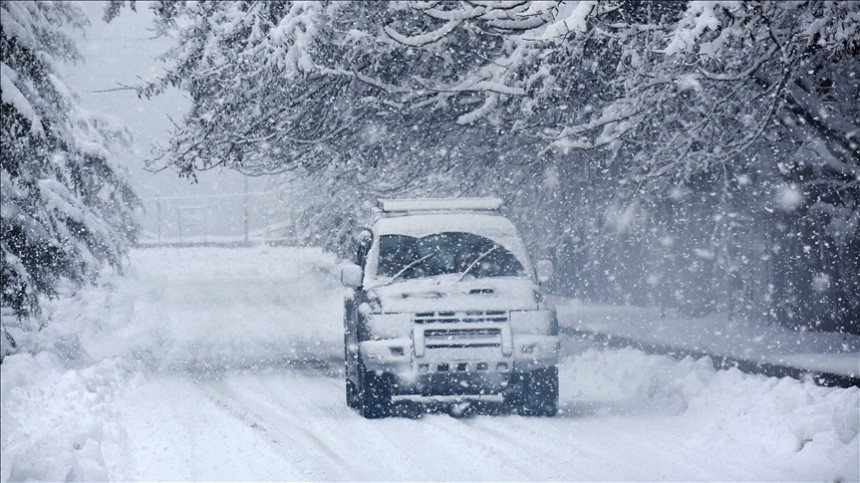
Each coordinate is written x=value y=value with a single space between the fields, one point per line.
x=66 y=204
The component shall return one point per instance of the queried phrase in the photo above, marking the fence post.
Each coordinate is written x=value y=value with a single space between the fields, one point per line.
x=158 y=217
x=245 y=179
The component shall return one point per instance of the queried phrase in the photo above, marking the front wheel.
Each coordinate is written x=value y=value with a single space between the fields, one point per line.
x=351 y=394
x=539 y=393
x=374 y=394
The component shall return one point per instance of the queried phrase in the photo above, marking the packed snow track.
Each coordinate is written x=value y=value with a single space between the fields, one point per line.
x=225 y=364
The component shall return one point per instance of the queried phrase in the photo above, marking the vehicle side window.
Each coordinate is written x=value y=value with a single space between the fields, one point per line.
x=395 y=253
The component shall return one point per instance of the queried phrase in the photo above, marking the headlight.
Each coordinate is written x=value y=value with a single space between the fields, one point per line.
x=389 y=326
x=538 y=322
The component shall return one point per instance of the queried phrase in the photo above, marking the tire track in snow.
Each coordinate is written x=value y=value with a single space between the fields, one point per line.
x=419 y=449
x=355 y=440
x=277 y=406
x=501 y=445
x=519 y=432
x=348 y=444
x=239 y=398
x=282 y=442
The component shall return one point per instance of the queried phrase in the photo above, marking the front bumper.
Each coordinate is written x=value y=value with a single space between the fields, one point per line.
x=458 y=371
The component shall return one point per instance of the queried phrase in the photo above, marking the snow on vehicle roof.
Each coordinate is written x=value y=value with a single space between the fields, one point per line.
x=440 y=204
x=492 y=226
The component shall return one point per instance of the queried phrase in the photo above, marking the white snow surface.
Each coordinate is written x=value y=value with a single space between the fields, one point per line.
x=225 y=364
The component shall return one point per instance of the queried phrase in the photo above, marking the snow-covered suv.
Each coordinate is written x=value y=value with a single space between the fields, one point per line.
x=446 y=307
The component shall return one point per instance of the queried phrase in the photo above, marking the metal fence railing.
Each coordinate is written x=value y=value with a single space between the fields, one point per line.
x=230 y=218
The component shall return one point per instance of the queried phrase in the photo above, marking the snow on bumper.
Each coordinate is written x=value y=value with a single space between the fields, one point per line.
x=535 y=352
x=523 y=353
x=387 y=355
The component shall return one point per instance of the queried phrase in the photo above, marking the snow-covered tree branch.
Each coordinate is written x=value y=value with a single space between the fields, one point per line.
x=66 y=204
x=651 y=133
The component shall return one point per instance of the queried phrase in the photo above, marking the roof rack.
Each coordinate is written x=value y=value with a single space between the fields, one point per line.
x=440 y=204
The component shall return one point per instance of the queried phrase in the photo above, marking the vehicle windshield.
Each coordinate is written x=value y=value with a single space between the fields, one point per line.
x=407 y=257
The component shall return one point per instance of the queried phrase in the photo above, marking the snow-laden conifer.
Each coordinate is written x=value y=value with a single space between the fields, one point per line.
x=66 y=204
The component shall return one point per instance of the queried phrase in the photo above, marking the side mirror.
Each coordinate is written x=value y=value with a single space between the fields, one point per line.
x=351 y=275
x=364 y=236
x=544 y=270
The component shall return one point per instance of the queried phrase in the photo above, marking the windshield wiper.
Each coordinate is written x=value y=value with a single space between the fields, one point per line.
x=472 y=265
x=407 y=267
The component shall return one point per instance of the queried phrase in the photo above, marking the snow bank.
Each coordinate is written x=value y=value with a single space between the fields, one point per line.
x=799 y=420
x=57 y=423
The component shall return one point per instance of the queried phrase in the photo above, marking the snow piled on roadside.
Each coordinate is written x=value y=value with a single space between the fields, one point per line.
x=798 y=419
x=58 y=423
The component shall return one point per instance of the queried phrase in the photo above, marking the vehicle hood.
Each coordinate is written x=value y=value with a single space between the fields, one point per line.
x=446 y=293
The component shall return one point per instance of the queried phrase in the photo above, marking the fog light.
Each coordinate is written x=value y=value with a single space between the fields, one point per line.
x=528 y=349
x=396 y=351
x=423 y=367
x=502 y=366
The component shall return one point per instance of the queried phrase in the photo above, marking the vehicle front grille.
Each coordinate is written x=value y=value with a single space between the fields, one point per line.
x=459 y=338
x=465 y=316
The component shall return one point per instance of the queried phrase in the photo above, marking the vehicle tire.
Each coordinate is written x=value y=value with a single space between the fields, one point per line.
x=513 y=401
x=540 y=393
x=374 y=394
x=351 y=394
x=351 y=389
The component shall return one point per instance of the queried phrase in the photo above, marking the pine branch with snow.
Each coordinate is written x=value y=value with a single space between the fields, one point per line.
x=66 y=203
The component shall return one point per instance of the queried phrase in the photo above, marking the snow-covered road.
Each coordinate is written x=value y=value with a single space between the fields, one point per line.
x=224 y=364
